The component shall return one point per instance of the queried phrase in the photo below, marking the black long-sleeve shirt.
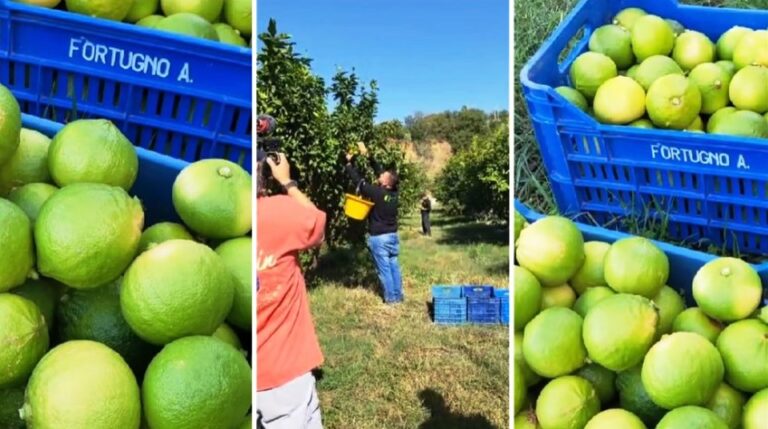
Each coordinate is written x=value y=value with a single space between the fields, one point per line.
x=383 y=216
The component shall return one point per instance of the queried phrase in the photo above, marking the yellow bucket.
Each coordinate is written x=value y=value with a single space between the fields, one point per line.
x=356 y=207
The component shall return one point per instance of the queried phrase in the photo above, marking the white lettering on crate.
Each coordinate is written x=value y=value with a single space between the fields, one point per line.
x=127 y=60
x=696 y=156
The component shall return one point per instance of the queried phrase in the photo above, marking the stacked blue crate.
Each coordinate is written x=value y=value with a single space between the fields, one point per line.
x=503 y=296
x=450 y=306
x=482 y=306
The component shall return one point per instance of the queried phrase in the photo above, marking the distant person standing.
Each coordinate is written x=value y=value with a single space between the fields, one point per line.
x=426 y=208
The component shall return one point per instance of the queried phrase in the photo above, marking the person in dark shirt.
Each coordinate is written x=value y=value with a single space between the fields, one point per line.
x=426 y=208
x=383 y=241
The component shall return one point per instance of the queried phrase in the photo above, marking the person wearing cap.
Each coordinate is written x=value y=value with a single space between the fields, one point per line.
x=383 y=241
x=287 y=348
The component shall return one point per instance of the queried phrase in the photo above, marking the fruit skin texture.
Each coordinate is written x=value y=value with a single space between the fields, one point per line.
x=229 y=35
x=619 y=100
x=31 y=197
x=520 y=388
x=197 y=382
x=728 y=403
x=744 y=348
x=226 y=334
x=45 y=293
x=673 y=102
x=729 y=40
x=682 y=369
x=188 y=24
x=238 y=14
x=87 y=234
x=696 y=321
x=558 y=296
x=691 y=417
x=552 y=344
x=207 y=9
x=161 y=232
x=10 y=125
x=693 y=48
x=16 y=252
x=627 y=17
x=651 y=35
x=526 y=419
x=92 y=151
x=602 y=379
x=29 y=164
x=738 y=123
x=748 y=89
x=577 y=100
x=82 y=385
x=615 y=42
x=530 y=377
x=589 y=70
x=24 y=337
x=115 y=10
x=727 y=289
x=669 y=304
x=634 y=398
x=176 y=289
x=615 y=418
x=527 y=297
x=635 y=265
x=619 y=330
x=567 y=402
x=713 y=82
x=655 y=67
x=552 y=248
x=142 y=9
x=590 y=274
x=236 y=254
x=213 y=198
x=750 y=51
x=591 y=298
x=11 y=399
x=756 y=411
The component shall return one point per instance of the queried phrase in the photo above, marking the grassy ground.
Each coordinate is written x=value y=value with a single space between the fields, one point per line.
x=392 y=367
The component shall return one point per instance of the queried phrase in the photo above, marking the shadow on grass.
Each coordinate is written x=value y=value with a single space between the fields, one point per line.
x=500 y=269
x=472 y=233
x=350 y=267
x=441 y=417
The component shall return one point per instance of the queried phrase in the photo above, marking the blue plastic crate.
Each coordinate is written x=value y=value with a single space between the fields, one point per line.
x=503 y=295
x=450 y=311
x=684 y=263
x=483 y=311
x=181 y=96
x=478 y=291
x=444 y=291
x=712 y=188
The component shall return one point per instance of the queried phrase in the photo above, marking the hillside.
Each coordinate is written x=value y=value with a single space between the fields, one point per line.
x=432 y=155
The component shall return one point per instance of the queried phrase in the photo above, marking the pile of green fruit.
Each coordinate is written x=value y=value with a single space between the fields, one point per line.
x=105 y=324
x=601 y=341
x=226 y=21
x=648 y=72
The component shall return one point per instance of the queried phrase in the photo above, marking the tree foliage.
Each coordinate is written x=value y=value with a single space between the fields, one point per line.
x=456 y=127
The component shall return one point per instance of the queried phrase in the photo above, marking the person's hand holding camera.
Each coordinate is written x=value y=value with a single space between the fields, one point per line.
x=281 y=170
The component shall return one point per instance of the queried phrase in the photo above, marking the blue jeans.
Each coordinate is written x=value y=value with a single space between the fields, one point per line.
x=384 y=249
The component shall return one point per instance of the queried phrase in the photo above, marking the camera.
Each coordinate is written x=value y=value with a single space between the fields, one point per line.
x=265 y=141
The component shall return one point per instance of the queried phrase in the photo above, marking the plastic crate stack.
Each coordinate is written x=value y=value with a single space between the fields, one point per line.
x=459 y=305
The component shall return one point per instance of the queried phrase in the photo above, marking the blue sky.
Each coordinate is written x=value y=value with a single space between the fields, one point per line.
x=427 y=55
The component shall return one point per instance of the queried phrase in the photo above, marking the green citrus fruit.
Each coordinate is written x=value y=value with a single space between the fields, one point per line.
x=627 y=17
x=247 y=423
x=727 y=66
x=552 y=248
x=635 y=265
x=693 y=48
x=590 y=298
x=95 y=315
x=115 y=10
x=11 y=400
x=552 y=344
x=197 y=382
x=750 y=50
x=655 y=67
x=520 y=222
x=642 y=123
x=743 y=123
x=73 y=377
x=651 y=35
x=615 y=42
x=619 y=330
x=228 y=335
x=31 y=197
x=520 y=388
x=42 y=3
x=24 y=338
x=238 y=14
x=149 y=21
x=141 y=9
x=728 y=41
x=695 y=320
x=526 y=419
x=236 y=254
x=567 y=402
x=207 y=9
x=590 y=70
x=632 y=72
x=28 y=164
x=45 y=293
x=691 y=417
x=87 y=234
x=676 y=26
x=590 y=274
x=727 y=289
x=94 y=151
x=16 y=253
x=619 y=100
x=669 y=304
x=527 y=297
x=634 y=398
x=749 y=89
x=673 y=101
x=161 y=232
x=188 y=24
x=575 y=98
x=744 y=348
x=602 y=380
x=615 y=418
x=213 y=198
x=10 y=125
x=756 y=411
x=727 y=403
x=558 y=296
x=530 y=377
x=713 y=82
x=717 y=117
x=176 y=289
x=682 y=369
x=229 y=35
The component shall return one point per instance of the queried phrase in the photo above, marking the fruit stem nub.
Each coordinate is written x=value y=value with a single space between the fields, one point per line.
x=225 y=172
x=725 y=272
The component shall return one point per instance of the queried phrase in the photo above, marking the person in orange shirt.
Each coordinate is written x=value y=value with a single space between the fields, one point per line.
x=287 y=346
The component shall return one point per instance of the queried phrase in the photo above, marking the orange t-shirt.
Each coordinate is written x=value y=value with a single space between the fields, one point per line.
x=287 y=345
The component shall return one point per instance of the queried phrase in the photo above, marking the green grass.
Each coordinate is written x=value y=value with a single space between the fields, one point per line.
x=392 y=367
